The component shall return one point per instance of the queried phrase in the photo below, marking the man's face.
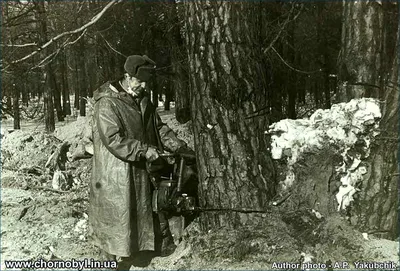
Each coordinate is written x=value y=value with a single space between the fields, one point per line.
x=135 y=84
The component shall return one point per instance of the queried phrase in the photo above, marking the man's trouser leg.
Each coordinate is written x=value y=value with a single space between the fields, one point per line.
x=167 y=241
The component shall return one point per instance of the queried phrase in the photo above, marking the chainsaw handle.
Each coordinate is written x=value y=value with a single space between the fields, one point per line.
x=183 y=155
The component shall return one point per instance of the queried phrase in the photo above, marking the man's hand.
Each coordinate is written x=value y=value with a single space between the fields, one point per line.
x=151 y=154
x=186 y=151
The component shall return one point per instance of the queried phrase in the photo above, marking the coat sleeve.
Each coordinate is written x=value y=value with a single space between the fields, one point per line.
x=168 y=138
x=111 y=133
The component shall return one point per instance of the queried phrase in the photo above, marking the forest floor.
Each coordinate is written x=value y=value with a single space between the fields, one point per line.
x=38 y=221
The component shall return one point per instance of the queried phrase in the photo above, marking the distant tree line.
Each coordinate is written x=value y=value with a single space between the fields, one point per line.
x=295 y=47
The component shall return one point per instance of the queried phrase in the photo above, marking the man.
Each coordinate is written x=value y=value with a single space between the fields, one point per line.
x=127 y=132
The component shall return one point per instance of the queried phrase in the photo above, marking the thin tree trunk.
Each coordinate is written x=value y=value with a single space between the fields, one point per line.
x=155 y=90
x=9 y=102
x=235 y=170
x=179 y=80
x=291 y=80
x=77 y=81
x=83 y=86
x=57 y=95
x=25 y=95
x=168 y=96
x=16 y=110
x=64 y=84
x=47 y=72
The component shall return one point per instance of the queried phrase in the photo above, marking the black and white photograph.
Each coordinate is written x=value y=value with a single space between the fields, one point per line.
x=199 y=135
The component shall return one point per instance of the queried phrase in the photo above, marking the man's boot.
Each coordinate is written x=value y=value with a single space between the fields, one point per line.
x=167 y=241
x=167 y=246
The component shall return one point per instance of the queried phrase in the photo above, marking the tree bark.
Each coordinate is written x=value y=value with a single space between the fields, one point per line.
x=377 y=210
x=359 y=65
x=362 y=74
x=235 y=169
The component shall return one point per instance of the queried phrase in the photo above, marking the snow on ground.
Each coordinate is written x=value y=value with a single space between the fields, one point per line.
x=344 y=126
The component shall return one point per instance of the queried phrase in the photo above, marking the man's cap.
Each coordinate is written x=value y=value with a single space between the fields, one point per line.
x=141 y=67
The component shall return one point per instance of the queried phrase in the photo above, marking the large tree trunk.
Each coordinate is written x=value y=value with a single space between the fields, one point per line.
x=235 y=169
x=360 y=61
x=377 y=210
x=47 y=72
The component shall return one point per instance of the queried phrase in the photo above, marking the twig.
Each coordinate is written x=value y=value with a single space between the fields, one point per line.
x=297 y=70
x=283 y=27
x=109 y=45
x=48 y=189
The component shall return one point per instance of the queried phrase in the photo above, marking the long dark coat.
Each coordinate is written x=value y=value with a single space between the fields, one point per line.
x=121 y=220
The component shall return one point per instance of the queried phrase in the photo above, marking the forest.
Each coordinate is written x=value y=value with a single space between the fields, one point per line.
x=290 y=106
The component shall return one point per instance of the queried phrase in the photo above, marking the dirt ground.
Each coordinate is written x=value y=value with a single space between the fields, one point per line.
x=38 y=221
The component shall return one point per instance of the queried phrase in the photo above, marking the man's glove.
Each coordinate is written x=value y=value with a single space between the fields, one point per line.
x=151 y=154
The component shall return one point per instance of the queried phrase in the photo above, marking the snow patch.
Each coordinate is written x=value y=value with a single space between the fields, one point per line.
x=344 y=126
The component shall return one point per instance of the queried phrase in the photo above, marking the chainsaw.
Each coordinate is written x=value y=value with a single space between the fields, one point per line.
x=175 y=186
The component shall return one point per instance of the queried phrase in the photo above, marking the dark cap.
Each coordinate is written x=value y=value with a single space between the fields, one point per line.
x=141 y=67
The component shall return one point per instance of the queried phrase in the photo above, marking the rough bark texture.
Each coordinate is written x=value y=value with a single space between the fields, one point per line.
x=235 y=170
x=316 y=182
x=360 y=58
x=377 y=210
x=369 y=68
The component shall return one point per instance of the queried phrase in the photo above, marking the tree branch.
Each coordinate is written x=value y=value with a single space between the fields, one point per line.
x=19 y=45
x=283 y=27
x=78 y=30
x=109 y=45
x=55 y=53
x=288 y=65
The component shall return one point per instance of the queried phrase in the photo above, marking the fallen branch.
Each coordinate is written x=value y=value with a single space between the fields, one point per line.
x=45 y=188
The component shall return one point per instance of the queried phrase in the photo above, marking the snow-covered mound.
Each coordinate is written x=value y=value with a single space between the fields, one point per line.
x=344 y=126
